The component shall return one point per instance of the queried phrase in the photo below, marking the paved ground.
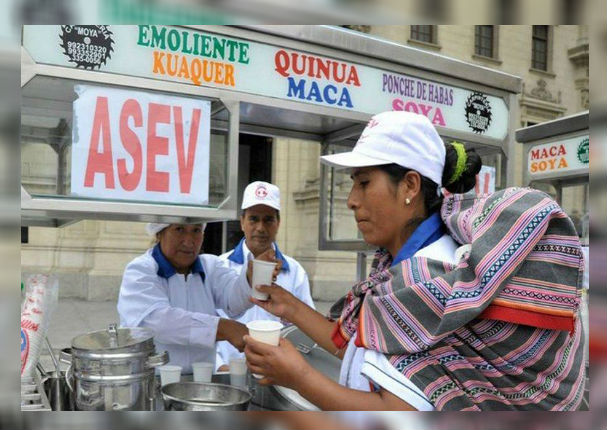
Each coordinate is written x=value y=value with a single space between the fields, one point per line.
x=73 y=317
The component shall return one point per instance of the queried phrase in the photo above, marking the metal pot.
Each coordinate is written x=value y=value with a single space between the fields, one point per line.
x=113 y=369
x=199 y=396
x=278 y=398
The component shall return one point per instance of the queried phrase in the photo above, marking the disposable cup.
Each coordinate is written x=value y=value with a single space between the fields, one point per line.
x=203 y=371
x=169 y=373
x=238 y=372
x=262 y=275
x=266 y=331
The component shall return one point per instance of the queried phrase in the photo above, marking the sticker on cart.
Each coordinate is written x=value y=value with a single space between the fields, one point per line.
x=87 y=46
x=139 y=146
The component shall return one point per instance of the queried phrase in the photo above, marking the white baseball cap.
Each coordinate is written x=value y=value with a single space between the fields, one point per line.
x=261 y=193
x=153 y=228
x=404 y=138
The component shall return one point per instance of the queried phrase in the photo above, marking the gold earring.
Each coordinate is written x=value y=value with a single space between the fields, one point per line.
x=408 y=201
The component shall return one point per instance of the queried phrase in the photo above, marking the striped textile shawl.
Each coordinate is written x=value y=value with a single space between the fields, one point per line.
x=499 y=331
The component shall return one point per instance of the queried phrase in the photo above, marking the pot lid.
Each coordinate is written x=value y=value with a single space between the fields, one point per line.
x=112 y=338
x=318 y=357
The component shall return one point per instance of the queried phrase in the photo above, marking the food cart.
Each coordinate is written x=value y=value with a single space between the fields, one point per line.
x=556 y=160
x=142 y=122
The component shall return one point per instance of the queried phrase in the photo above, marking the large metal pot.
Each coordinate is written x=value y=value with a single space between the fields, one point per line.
x=202 y=396
x=278 y=398
x=113 y=369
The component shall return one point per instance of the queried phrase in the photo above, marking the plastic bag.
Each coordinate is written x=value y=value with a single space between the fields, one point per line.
x=41 y=292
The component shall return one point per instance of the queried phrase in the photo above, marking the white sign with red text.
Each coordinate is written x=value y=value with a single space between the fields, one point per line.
x=564 y=156
x=132 y=145
x=485 y=181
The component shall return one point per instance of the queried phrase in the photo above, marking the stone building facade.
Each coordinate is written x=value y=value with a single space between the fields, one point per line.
x=89 y=256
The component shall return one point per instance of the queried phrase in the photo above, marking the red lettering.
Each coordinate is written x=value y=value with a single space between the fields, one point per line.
x=398 y=104
x=100 y=162
x=411 y=107
x=157 y=145
x=336 y=67
x=425 y=109
x=27 y=324
x=297 y=69
x=323 y=69
x=535 y=154
x=186 y=164
x=130 y=141
x=281 y=61
x=353 y=77
x=438 y=119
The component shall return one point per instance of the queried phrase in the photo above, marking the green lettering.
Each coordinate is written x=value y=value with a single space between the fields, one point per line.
x=197 y=44
x=143 y=34
x=185 y=50
x=206 y=46
x=231 y=44
x=219 y=46
x=244 y=53
x=158 y=37
x=173 y=40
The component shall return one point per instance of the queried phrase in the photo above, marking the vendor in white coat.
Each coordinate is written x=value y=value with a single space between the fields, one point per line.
x=174 y=291
x=259 y=222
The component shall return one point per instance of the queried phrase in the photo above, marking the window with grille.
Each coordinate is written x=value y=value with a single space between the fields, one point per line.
x=484 y=40
x=423 y=33
x=539 y=48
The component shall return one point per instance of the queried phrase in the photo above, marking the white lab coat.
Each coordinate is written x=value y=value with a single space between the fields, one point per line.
x=363 y=368
x=180 y=310
x=292 y=277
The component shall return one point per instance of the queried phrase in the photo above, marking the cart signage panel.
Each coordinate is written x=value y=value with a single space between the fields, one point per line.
x=138 y=146
x=214 y=60
x=562 y=156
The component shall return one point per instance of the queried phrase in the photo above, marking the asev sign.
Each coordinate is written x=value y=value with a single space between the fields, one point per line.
x=131 y=145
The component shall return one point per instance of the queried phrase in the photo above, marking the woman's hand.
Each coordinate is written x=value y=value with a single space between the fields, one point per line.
x=279 y=365
x=280 y=302
x=232 y=331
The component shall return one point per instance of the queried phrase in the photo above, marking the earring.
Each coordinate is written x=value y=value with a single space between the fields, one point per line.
x=408 y=201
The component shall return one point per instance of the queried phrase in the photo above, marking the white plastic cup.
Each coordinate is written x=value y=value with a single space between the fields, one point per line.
x=238 y=372
x=266 y=331
x=262 y=275
x=203 y=371
x=169 y=373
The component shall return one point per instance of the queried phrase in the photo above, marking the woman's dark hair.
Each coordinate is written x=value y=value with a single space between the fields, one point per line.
x=464 y=183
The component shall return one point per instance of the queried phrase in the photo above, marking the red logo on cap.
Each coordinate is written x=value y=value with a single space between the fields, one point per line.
x=261 y=192
x=372 y=123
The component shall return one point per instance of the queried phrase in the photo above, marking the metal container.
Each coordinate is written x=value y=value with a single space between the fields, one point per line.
x=278 y=398
x=113 y=369
x=58 y=393
x=203 y=396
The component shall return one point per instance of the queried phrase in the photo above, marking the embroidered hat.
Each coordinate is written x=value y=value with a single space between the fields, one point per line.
x=261 y=193
x=153 y=228
x=404 y=138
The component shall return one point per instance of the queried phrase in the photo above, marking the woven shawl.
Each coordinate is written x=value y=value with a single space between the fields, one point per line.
x=497 y=331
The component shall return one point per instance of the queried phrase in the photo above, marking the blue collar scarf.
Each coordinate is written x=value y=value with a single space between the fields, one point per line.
x=237 y=256
x=426 y=233
x=166 y=269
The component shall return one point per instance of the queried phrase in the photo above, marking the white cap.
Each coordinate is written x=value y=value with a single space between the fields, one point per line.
x=404 y=138
x=261 y=193
x=153 y=228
